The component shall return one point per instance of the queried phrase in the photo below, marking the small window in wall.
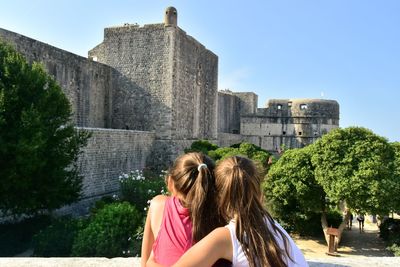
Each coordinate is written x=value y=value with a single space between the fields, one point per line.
x=303 y=106
x=289 y=104
x=279 y=106
x=284 y=132
x=315 y=133
x=300 y=133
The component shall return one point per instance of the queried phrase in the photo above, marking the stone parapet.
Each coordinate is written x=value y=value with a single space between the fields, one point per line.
x=133 y=262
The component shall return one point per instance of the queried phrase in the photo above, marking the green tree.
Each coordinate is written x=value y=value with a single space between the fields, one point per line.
x=352 y=166
x=251 y=151
x=38 y=144
x=396 y=198
x=356 y=166
x=291 y=191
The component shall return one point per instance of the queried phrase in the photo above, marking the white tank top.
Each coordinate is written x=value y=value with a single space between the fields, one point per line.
x=239 y=258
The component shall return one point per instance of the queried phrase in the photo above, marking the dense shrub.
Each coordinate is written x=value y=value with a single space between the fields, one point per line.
x=306 y=224
x=203 y=146
x=138 y=188
x=16 y=237
x=108 y=233
x=99 y=204
x=395 y=249
x=57 y=239
x=334 y=218
x=309 y=224
x=389 y=228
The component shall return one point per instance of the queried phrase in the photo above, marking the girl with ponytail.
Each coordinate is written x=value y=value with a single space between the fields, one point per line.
x=174 y=223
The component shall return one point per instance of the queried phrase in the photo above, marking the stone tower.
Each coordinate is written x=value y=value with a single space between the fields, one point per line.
x=175 y=81
x=171 y=17
x=293 y=123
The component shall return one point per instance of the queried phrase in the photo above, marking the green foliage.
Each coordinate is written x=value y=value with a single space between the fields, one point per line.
x=256 y=153
x=138 y=189
x=396 y=198
x=38 y=145
x=395 y=249
x=292 y=193
x=290 y=187
x=334 y=218
x=99 y=204
x=203 y=146
x=355 y=165
x=57 y=239
x=16 y=237
x=307 y=224
x=352 y=165
x=108 y=233
x=389 y=230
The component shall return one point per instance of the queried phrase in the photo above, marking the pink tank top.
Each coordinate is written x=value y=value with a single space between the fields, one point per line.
x=175 y=234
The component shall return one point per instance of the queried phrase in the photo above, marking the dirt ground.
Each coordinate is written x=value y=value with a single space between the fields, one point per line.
x=353 y=244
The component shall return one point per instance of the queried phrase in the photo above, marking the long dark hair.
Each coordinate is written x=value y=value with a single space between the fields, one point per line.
x=239 y=196
x=196 y=183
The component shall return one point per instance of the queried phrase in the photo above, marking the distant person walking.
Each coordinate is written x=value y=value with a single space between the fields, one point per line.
x=360 y=219
x=348 y=216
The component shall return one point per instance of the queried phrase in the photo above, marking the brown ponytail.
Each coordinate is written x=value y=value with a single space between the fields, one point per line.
x=196 y=182
x=240 y=197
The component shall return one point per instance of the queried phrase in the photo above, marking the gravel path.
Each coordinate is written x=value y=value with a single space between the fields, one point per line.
x=356 y=249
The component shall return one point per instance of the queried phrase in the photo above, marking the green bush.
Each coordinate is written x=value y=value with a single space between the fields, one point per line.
x=308 y=225
x=203 y=146
x=16 y=237
x=108 y=233
x=334 y=218
x=139 y=190
x=389 y=228
x=395 y=249
x=99 y=204
x=57 y=239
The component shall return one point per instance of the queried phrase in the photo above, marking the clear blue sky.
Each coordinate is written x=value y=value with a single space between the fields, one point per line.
x=346 y=50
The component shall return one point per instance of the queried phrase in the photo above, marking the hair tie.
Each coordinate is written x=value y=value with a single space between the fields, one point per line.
x=201 y=166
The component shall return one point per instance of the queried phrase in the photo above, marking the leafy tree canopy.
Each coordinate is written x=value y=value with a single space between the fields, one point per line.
x=357 y=166
x=38 y=145
x=290 y=186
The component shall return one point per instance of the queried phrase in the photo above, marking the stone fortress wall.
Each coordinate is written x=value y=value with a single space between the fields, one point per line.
x=147 y=92
x=290 y=123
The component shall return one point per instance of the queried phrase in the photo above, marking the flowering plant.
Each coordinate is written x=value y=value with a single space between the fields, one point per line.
x=138 y=187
